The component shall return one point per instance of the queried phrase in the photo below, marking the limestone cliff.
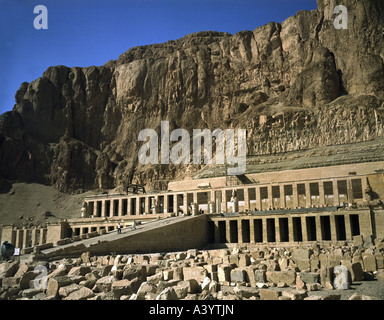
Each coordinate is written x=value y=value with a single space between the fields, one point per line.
x=293 y=86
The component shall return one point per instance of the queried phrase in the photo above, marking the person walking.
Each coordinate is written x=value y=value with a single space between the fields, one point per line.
x=118 y=228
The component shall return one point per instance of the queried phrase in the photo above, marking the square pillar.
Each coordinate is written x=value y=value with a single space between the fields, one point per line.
x=129 y=206
x=321 y=193
x=25 y=238
x=95 y=209
x=308 y=199
x=35 y=240
x=290 y=229
x=336 y=200
x=120 y=212
x=258 y=198
x=252 y=230
x=138 y=206
x=333 y=227
x=270 y=199
x=348 y=231
x=246 y=200
x=304 y=228
x=350 y=191
x=111 y=207
x=282 y=197
x=43 y=236
x=185 y=205
x=103 y=209
x=318 y=227
x=228 y=231
x=295 y=195
x=277 y=230
x=147 y=205
x=224 y=201
x=265 y=230
x=175 y=204
x=239 y=231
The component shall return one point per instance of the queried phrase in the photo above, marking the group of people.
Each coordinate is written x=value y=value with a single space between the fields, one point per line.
x=133 y=227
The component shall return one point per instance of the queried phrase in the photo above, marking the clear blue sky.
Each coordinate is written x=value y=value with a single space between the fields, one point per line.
x=91 y=32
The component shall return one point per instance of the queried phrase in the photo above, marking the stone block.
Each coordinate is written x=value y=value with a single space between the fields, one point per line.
x=246 y=292
x=104 y=284
x=295 y=294
x=135 y=271
x=269 y=294
x=379 y=261
x=79 y=271
x=369 y=262
x=144 y=289
x=244 y=260
x=301 y=254
x=197 y=273
x=289 y=277
x=9 y=269
x=30 y=293
x=67 y=290
x=26 y=278
x=125 y=286
x=167 y=294
x=238 y=275
x=260 y=276
x=309 y=277
x=357 y=273
x=224 y=273
x=81 y=294
x=11 y=282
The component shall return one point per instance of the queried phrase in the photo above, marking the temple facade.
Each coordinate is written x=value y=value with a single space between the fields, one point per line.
x=332 y=203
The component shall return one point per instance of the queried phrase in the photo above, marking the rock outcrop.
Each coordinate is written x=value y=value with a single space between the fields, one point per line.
x=293 y=86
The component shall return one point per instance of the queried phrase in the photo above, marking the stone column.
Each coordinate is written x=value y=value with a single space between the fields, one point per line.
x=175 y=205
x=277 y=230
x=290 y=229
x=224 y=200
x=43 y=236
x=103 y=209
x=239 y=231
x=138 y=206
x=308 y=200
x=212 y=202
x=282 y=197
x=270 y=198
x=350 y=191
x=332 y=220
x=19 y=238
x=348 y=231
x=95 y=209
x=258 y=198
x=321 y=193
x=304 y=228
x=318 y=227
x=120 y=212
x=25 y=238
x=246 y=200
x=129 y=206
x=252 y=230
x=147 y=205
x=112 y=207
x=196 y=201
x=228 y=231
x=295 y=196
x=336 y=200
x=265 y=230
x=185 y=203
x=35 y=240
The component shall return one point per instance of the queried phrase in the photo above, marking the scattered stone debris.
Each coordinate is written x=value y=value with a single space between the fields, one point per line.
x=265 y=273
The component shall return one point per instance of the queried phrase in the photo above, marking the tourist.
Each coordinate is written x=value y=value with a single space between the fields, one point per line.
x=118 y=228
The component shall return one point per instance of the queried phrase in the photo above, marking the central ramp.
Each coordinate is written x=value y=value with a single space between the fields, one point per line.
x=168 y=234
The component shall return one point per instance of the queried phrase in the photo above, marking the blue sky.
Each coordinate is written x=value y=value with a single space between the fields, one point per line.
x=91 y=32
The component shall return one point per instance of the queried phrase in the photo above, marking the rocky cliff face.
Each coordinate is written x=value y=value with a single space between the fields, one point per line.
x=293 y=86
